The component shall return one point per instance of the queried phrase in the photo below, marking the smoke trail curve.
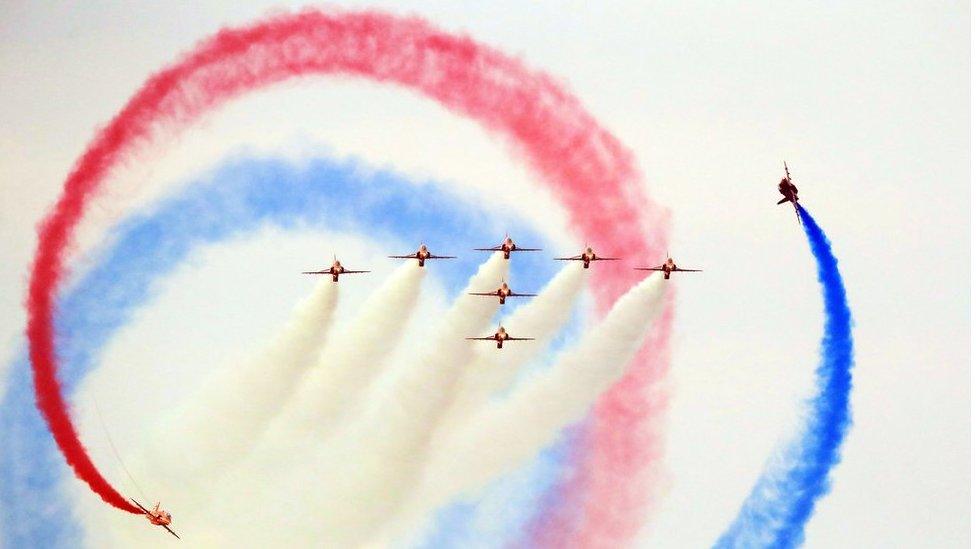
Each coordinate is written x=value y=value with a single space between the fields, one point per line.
x=557 y=137
x=782 y=500
x=238 y=195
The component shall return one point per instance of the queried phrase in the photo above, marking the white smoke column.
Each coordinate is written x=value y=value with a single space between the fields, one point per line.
x=375 y=459
x=538 y=409
x=220 y=422
x=494 y=370
x=349 y=362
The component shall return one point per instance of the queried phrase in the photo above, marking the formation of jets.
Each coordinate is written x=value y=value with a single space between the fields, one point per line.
x=159 y=517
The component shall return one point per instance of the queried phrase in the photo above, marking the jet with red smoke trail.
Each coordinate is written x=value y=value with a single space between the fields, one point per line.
x=335 y=270
x=157 y=517
x=421 y=255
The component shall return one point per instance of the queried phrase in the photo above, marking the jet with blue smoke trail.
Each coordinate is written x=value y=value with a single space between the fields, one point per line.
x=782 y=500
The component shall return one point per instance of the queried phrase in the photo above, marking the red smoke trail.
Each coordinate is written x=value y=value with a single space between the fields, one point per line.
x=586 y=168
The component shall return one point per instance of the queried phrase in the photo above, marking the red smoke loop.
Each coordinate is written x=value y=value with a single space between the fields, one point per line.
x=587 y=170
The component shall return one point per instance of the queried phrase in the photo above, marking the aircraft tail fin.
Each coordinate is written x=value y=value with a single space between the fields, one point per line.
x=783 y=201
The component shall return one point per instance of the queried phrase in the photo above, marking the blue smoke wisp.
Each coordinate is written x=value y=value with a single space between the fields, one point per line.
x=782 y=500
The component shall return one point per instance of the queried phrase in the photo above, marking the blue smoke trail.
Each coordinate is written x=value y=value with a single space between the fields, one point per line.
x=235 y=199
x=782 y=501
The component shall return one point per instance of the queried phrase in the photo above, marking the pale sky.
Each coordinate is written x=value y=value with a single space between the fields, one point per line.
x=868 y=102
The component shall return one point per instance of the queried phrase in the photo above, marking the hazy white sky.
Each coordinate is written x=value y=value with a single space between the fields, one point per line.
x=868 y=102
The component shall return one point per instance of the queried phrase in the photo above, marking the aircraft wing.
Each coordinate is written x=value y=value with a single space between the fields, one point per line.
x=605 y=259
x=325 y=272
x=481 y=338
x=144 y=510
x=411 y=256
x=649 y=269
x=573 y=258
x=492 y=294
x=495 y=249
x=348 y=272
x=520 y=339
x=170 y=531
x=686 y=270
x=441 y=257
x=520 y=249
x=513 y=294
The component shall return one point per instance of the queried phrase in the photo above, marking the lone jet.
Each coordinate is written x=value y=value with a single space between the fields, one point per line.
x=501 y=293
x=335 y=270
x=507 y=247
x=500 y=337
x=789 y=192
x=667 y=268
x=587 y=256
x=421 y=255
x=158 y=517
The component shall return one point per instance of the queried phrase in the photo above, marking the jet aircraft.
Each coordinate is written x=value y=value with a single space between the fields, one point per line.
x=501 y=293
x=421 y=255
x=667 y=268
x=507 y=247
x=789 y=192
x=500 y=337
x=157 y=517
x=335 y=270
x=587 y=256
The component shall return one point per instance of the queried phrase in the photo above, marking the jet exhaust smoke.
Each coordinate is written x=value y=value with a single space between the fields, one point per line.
x=782 y=500
x=541 y=318
x=233 y=407
x=388 y=462
x=532 y=417
x=351 y=361
x=372 y=460
x=558 y=139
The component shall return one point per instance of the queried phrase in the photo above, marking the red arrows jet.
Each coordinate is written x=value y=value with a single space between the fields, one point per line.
x=789 y=192
x=335 y=270
x=507 y=247
x=587 y=256
x=501 y=293
x=500 y=337
x=421 y=255
x=157 y=517
x=667 y=268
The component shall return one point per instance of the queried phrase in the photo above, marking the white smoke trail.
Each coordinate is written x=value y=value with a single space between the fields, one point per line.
x=369 y=465
x=234 y=406
x=495 y=371
x=351 y=361
x=532 y=417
